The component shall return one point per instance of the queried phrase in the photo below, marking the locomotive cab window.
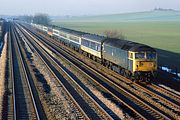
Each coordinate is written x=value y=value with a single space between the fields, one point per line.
x=139 y=55
x=151 y=55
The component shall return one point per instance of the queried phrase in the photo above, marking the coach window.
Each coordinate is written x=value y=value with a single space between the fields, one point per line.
x=85 y=42
x=98 y=47
x=93 y=45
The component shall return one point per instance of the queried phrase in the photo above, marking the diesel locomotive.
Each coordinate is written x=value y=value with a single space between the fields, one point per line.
x=133 y=60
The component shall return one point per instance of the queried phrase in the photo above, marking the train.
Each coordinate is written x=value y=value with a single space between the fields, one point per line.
x=135 y=61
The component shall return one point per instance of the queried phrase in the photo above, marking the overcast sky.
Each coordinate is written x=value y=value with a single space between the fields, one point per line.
x=82 y=7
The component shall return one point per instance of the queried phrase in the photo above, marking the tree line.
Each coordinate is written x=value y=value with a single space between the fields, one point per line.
x=42 y=19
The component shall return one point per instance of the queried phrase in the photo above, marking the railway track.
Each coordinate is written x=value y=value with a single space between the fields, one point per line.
x=147 y=107
x=167 y=101
x=166 y=106
x=86 y=104
x=11 y=112
x=79 y=112
x=166 y=93
x=159 y=102
x=135 y=113
x=162 y=93
x=24 y=106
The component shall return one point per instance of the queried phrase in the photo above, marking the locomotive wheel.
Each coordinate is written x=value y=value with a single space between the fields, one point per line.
x=149 y=78
x=126 y=74
x=122 y=72
x=130 y=75
x=136 y=77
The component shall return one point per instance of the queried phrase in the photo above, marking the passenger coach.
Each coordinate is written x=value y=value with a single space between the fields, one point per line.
x=71 y=37
x=92 y=46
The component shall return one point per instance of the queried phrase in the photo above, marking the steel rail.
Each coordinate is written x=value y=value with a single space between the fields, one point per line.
x=68 y=93
x=12 y=75
x=98 y=107
x=26 y=77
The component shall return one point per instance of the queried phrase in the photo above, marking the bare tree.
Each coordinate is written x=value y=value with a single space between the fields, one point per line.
x=27 y=18
x=43 y=19
x=114 y=34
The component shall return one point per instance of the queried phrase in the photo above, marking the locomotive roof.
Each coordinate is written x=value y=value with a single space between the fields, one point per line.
x=94 y=37
x=128 y=45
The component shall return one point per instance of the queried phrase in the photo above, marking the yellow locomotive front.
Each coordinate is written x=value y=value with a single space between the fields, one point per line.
x=145 y=65
x=145 y=61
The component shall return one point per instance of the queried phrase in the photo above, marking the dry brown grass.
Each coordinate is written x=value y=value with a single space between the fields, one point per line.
x=2 y=71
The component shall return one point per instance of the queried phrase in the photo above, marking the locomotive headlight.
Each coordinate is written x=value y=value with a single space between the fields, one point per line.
x=151 y=64
x=137 y=63
x=141 y=64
